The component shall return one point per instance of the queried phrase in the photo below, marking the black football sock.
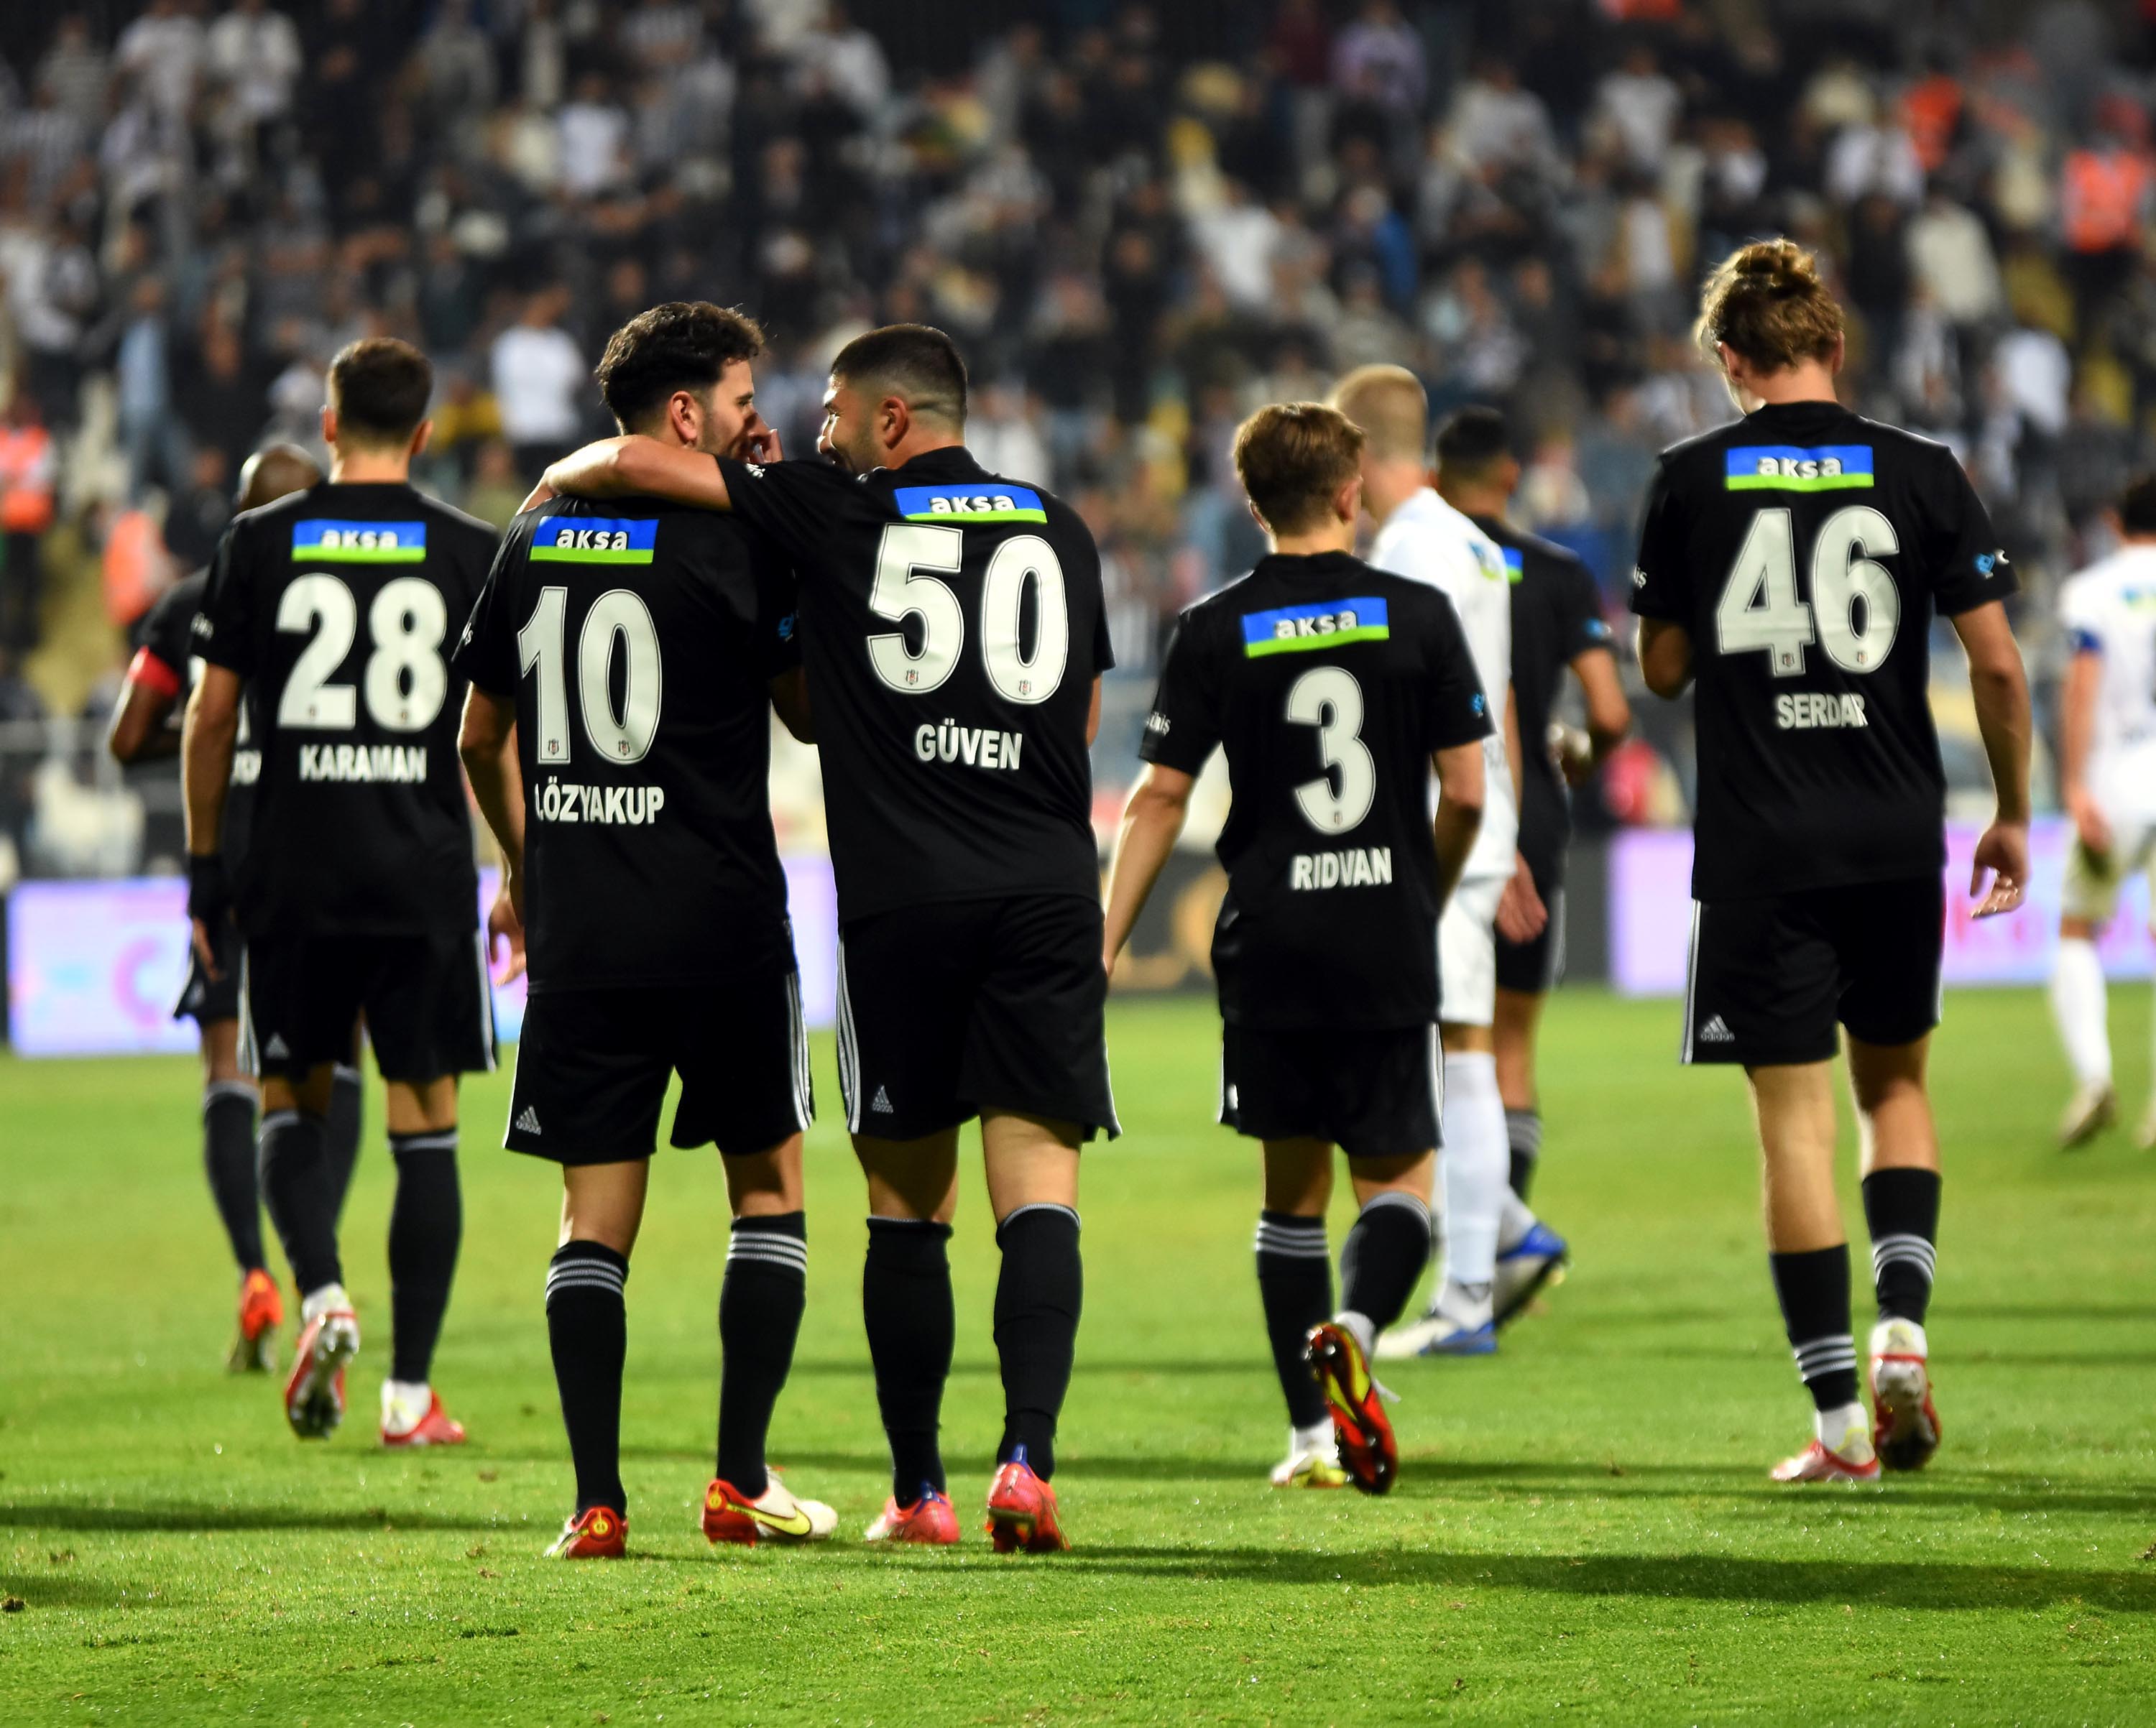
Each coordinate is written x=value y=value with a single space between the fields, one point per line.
x=1382 y=1259
x=229 y=1157
x=1523 y=1129
x=341 y=1130
x=587 y=1331
x=1038 y=1295
x=426 y=1224
x=1295 y=1284
x=1902 y=1209
x=760 y=1302
x=296 y=1193
x=1813 y=1291
x=905 y=1301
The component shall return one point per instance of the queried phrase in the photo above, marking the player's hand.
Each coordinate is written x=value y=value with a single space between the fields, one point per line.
x=763 y=446
x=199 y=937
x=1521 y=913
x=209 y=905
x=504 y=926
x=2004 y=851
x=2089 y=824
x=540 y=493
x=1572 y=752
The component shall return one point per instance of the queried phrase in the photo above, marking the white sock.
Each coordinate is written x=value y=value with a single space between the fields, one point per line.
x=1318 y=1438
x=1358 y=1326
x=1837 y=1429
x=327 y=1299
x=1478 y=1162
x=2078 y=1008
x=1514 y=1220
x=403 y=1403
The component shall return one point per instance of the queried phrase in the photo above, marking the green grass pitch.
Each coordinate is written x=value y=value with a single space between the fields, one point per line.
x=1583 y=1528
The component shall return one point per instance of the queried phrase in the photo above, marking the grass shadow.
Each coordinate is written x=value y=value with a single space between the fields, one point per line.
x=72 y=1515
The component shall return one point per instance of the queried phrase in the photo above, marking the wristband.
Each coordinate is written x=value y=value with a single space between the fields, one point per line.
x=209 y=895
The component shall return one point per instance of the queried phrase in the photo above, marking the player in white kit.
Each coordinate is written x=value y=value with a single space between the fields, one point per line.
x=1421 y=537
x=2107 y=775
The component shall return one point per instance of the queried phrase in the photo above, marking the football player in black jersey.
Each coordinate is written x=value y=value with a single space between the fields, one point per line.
x=145 y=728
x=623 y=663
x=357 y=892
x=1790 y=564
x=954 y=635
x=1334 y=687
x=1557 y=626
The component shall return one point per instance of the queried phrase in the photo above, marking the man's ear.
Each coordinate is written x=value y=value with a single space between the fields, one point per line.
x=1348 y=501
x=1264 y=527
x=685 y=418
x=1840 y=348
x=424 y=432
x=329 y=426
x=896 y=419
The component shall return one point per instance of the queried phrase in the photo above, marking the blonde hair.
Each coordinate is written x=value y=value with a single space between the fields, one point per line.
x=1293 y=458
x=1766 y=301
x=1389 y=403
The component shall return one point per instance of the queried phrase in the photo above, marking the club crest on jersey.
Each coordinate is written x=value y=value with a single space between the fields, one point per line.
x=1324 y=624
x=1787 y=467
x=994 y=502
x=593 y=540
x=321 y=539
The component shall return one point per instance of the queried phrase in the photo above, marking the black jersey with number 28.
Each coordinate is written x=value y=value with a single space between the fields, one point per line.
x=1330 y=684
x=953 y=625
x=1805 y=549
x=638 y=639
x=338 y=606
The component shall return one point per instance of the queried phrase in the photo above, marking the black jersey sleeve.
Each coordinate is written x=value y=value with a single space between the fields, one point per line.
x=167 y=631
x=486 y=653
x=778 y=596
x=224 y=628
x=1961 y=555
x=798 y=503
x=1184 y=725
x=1579 y=605
x=1662 y=587
x=1458 y=712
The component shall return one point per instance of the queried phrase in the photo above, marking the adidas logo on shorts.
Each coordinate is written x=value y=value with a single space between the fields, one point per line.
x=528 y=1122
x=1716 y=1032
x=881 y=1103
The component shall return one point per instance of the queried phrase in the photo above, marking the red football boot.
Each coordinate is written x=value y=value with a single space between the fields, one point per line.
x=1905 y=1430
x=775 y=1515
x=1368 y=1451
x=314 y=1394
x=1022 y=1512
x=261 y=1312
x=597 y=1533
x=930 y=1520
x=435 y=1427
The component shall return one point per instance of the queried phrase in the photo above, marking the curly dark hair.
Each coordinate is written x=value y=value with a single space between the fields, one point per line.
x=682 y=345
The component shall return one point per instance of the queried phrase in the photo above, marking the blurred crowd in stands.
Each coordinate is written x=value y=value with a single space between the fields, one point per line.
x=1141 y=220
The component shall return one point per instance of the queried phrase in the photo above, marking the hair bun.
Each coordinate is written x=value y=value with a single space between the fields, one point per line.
x=1779 y=266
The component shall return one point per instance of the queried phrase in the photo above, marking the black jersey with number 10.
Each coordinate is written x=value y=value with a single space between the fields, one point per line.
x=638 y=639
x=953 y=624
x=1805 y=549
x=1330 y=684
x=337 y=605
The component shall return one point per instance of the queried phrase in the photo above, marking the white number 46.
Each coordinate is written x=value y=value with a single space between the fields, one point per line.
x=1759 y=609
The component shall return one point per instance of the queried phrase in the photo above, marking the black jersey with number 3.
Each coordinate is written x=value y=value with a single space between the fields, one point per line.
x=953 y=625
x=1805 y=550
x=338 y=605
x=1329 y=682
x=638 y=639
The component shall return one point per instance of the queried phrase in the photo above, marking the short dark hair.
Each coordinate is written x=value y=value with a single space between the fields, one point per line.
x=681 y=345
x=1470 y=441
x=1292 y=457
x=380 y=388
x=916 y=363
x=2137 y=506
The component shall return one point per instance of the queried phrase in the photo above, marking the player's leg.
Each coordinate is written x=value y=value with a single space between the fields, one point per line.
x=2088 y=899
x=1295 y=1284
x=1032 y=1168
x=345 y=1122
x=906 y=1305
x=1518 y=1018
x=1531 y=1256
x=297 y=1194
x=229 y=1158
x=588 y=1335
x=1476 y=1156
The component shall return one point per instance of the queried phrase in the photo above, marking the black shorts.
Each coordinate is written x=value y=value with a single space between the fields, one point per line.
x=429 y=1009
x=1373 y=1092
x=1536 y=967
x=206 y=1000
x=592 y=1067
x=956 y=1006
x=1771 y=976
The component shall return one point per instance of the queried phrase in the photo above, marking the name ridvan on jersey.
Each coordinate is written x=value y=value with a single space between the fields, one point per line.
x=403 y=763
x=1803 y=712
x=1357 y=867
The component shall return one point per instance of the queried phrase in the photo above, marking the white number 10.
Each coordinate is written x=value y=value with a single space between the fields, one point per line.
x=616 y=616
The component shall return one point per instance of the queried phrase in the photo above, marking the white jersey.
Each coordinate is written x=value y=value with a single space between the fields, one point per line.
x=2109 y=610
x=1428 y=541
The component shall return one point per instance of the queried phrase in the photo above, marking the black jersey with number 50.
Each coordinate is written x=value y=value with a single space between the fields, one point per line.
x=1330 y=684
x=638 y=639
x=338 y=606
x=1805 y=549
x=952 y=625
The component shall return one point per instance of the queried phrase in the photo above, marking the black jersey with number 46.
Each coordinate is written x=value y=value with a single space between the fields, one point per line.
x=639 y=639
x=338 y=605
x=953 y=625
x=1805 y=549
x=1330 y=683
